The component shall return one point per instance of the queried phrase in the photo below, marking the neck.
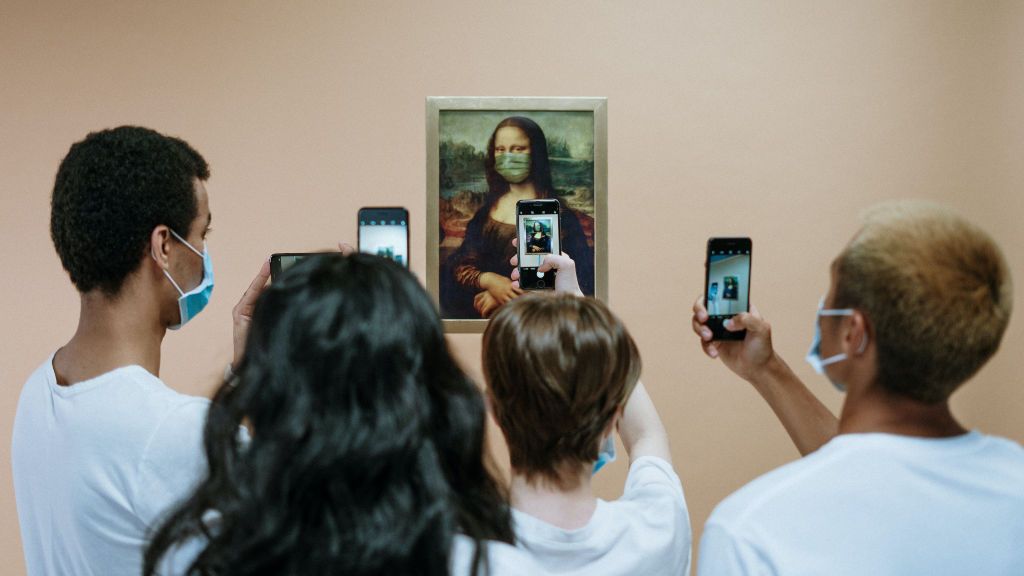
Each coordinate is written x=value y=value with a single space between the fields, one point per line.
x=874 y=409
x=568 y=507
x=111 y=333
x=522 y=191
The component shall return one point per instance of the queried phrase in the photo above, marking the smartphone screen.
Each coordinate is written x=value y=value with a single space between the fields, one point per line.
x=538 y=227
x=385 y=232
x=727 y=283
x=281 y=262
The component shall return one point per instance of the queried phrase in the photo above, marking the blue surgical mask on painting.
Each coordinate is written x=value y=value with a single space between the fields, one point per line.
x=514 y=167
x=605 y=455
x=191 y=303
x=814 y=355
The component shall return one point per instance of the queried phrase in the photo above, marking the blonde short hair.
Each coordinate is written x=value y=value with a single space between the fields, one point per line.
x=937 y=291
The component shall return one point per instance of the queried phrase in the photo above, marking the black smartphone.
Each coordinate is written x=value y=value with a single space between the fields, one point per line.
x=538 y=224
x=385 y=232
x=727 y=283
x=283 y=261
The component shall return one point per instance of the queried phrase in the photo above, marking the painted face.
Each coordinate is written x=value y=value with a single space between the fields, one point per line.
x=512 y=154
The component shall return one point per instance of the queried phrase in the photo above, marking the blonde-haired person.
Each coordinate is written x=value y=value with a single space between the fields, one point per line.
x=918 y=302
x=563 y=375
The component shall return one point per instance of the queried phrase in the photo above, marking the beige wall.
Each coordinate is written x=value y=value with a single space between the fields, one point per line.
x=795 y=114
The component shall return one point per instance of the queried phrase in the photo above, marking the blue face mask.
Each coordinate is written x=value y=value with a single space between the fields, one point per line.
x=814 y=355
x=191 y=303
x=605 y=455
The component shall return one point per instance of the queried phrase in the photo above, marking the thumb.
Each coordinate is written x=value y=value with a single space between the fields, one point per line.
x=552 y=262
x=749 y=321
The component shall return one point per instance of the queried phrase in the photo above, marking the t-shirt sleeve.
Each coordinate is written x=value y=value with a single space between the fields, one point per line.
x=651 y=478
x=723 y=554
x=657 y=493
x=173 y=461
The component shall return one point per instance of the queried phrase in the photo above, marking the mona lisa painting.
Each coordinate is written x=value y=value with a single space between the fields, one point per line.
x=483 y=156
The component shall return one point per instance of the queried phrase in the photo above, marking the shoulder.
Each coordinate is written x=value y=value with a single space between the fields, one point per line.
x=37 y=382
x=653 y=497
x=1001 y=459
x=172 y=460
x=653 y=476
x=501 y=559
x=780 y=487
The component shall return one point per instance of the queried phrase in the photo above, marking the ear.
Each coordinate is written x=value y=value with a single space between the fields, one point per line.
x=160 y=246
x=858 y=337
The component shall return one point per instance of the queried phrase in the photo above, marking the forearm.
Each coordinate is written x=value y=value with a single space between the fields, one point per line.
x=468 y=275
x=809 y=423
x=641 y=429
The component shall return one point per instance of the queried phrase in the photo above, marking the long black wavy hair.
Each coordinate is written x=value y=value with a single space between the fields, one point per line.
x=367 y=451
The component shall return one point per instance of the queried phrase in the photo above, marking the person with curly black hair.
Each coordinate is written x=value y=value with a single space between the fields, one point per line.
x=101 y=446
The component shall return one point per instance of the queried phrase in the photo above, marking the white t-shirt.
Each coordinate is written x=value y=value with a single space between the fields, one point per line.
x=646 y=531
x=97 y=463
x=502 y=559
x=878 y=504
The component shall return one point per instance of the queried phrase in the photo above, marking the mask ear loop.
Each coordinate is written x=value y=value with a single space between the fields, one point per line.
x=863 y=344
x=164 y=270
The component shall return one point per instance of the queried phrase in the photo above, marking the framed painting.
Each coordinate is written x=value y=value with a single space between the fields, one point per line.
x=485 y=154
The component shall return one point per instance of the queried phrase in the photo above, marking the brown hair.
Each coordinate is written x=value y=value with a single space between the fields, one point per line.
x=558 y=368
x=937 y=291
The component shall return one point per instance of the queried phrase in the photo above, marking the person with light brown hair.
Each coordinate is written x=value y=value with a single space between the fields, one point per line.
x=563 y=376
x=918 y=302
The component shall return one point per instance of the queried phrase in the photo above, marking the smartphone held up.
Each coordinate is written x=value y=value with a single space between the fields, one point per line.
x=727 y=283
x=385 y=232
x=538 y=228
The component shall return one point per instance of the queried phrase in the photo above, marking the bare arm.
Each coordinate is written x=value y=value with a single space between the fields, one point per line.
x=641 y=429
x=809 y=423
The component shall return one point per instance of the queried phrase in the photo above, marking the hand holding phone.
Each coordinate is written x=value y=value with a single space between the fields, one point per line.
x=538 y=232
x=727 y=284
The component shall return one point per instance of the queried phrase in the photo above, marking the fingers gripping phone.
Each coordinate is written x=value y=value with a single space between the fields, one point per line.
x=538 y=225
x=385 y=232
x=727 y=283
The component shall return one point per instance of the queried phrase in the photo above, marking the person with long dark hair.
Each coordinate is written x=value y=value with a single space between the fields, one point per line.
x=517 y=168
x=367 y=449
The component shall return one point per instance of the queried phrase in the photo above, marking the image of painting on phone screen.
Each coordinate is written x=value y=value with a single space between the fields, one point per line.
x=538 y=236
x=385 y=237
x=731 y=272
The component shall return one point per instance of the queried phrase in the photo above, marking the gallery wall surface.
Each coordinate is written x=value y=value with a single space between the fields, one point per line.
x=777 y=120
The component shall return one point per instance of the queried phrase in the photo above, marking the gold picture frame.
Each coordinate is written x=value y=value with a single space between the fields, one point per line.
x=467 y=224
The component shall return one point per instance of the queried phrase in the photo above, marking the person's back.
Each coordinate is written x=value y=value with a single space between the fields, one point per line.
x=367 y=442
x=562 y=376
x=878 y=504
x=918 y=303
x=101 y=448
x=95 y=464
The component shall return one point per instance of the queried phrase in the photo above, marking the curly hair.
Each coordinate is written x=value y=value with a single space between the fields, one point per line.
x=111 y=190
x=367 y=451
